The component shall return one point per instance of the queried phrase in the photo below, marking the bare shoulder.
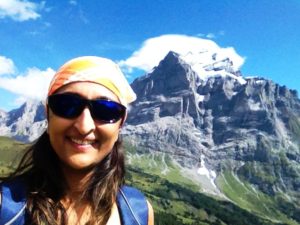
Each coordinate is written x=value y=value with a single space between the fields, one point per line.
x=114 y=218
x=150 y=214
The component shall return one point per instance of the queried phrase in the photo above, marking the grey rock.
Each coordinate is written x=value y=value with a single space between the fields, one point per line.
x=226 y=120
x=25 y=123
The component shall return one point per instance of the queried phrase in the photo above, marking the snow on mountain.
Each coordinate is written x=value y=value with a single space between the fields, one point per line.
x=211 y=64
x=205 y=56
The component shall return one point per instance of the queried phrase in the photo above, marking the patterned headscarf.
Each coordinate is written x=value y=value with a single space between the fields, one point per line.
x=97 y=70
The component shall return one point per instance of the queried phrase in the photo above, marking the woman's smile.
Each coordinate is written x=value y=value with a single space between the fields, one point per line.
x=84 y=143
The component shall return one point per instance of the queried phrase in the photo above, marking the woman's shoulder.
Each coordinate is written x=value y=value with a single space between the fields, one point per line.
x=150 y=214
x=114 y=218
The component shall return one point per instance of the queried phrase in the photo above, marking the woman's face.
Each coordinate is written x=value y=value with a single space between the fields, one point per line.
x=82 y=142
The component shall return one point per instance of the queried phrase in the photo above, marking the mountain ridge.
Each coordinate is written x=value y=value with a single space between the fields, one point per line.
x=25 y=123
x=220 y=118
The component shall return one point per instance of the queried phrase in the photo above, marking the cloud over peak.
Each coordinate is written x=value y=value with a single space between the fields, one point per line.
x=153 y=50
x=33 y=84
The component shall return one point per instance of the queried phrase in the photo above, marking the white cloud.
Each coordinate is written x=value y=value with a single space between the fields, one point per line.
x=155 y=49
x=33 y=84
x=19 y=101
x=6 y=66
x=20 y=10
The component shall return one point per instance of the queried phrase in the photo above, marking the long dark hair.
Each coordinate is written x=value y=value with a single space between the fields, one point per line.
x=46 y=185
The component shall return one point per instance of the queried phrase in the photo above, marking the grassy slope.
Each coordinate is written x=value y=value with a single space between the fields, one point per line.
x=9 y=154
x=177 y=197
x=249 y=198
x=176 y=204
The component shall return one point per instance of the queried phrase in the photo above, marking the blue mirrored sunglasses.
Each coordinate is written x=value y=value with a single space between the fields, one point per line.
x=70 y=106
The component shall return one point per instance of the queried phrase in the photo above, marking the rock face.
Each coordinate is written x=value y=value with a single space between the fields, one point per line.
x=231 y=120
x=25 y=123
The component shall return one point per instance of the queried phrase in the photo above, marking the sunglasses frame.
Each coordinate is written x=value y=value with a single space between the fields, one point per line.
x=82 y=104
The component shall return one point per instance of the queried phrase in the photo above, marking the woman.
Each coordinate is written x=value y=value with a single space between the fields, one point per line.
x=74 y=172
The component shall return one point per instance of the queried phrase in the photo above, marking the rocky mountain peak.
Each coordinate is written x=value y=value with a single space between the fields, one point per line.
x=193 y=111
x=31 y=110
x=2 y=114
x=170 y=78
x=25 y=123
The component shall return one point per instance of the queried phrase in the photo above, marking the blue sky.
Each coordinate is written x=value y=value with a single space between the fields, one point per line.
x=36 y=37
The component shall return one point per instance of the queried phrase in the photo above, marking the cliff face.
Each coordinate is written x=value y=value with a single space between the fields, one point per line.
x=25 y=123
x=229 y=120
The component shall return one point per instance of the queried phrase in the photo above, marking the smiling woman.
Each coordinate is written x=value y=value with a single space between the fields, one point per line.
x=74 y=173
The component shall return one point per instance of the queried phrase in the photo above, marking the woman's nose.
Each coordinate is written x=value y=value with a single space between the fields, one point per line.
x=84 y=122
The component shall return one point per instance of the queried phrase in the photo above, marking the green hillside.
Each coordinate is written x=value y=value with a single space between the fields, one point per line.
x=10 y=154
x=175 y=198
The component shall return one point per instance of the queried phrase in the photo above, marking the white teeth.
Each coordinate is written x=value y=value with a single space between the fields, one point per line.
x=83 y=142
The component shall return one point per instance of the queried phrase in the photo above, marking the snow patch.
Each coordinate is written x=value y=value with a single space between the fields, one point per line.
x=281 y=129
x=204 y=171
x=206 y=65
x=199 y=98
x=254 y=106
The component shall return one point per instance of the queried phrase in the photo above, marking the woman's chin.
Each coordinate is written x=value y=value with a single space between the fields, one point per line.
x=79 y=165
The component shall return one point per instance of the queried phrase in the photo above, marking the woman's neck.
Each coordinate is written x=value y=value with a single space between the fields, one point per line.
x=77 y=207
x=77 y=180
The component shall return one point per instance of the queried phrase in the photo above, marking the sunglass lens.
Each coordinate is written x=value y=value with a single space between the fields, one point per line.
x=64 y=105
x=107 y=111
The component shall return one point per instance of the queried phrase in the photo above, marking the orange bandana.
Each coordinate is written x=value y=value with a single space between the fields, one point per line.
x=97 y=70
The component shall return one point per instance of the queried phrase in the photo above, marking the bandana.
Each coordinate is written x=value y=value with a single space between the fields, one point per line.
x=97 y=70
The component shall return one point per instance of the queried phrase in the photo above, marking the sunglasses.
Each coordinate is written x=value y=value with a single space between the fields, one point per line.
x=70 y=106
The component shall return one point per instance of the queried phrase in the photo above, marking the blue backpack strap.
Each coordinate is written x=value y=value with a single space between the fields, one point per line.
x=13 y=203
x=133 y=207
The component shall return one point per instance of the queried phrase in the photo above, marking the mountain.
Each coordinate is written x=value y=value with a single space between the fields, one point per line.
x=212 y=125
x=196 y=117
x=25 y=123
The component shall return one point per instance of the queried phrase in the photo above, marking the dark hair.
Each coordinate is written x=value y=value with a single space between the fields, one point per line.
x=46 y=185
